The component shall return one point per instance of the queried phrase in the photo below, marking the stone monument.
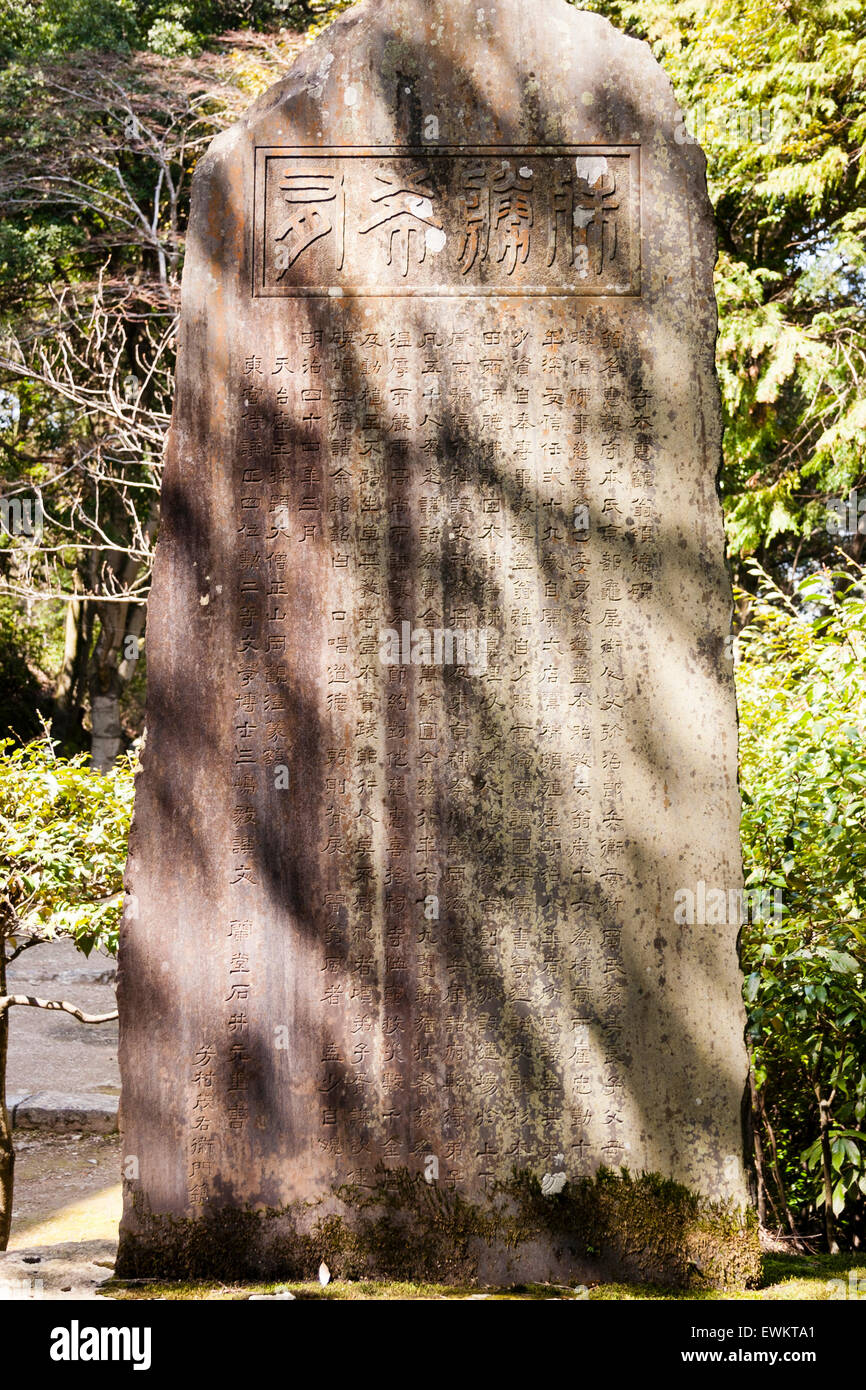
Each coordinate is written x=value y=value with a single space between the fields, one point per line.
x=441 y=721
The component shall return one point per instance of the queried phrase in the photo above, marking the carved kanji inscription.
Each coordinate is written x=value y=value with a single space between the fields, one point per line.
x=529 y=220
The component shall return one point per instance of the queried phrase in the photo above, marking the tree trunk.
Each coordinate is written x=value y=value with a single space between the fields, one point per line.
x=105 y=729
x=64 y=686
x=70 y=684
x=105 y=686
x=7 y=1152
x=777 y=1172
x=112 y=667
x=827 y=1165
x=759 y=1149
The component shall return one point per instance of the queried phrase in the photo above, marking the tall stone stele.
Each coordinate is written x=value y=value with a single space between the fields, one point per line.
x=429 y=960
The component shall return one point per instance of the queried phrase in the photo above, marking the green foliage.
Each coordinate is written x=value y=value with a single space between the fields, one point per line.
x=169 y=38
x=802 y=690
x=33 y=255
x=56 y=28
x=774 y=93
x=63 y=831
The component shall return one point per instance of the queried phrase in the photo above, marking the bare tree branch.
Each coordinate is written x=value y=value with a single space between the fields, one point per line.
x=30 y=1000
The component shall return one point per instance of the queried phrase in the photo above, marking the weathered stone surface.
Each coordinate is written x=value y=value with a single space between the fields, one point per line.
x=64 y=1112
x=400 y=967
x=71 y=1270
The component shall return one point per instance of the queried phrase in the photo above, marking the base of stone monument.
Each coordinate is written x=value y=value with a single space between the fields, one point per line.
x=645 y=1229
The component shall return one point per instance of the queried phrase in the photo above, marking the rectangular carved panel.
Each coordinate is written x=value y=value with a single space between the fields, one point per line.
x=472 y=220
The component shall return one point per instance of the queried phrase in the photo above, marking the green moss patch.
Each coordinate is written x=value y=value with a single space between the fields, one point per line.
x=616 y=1226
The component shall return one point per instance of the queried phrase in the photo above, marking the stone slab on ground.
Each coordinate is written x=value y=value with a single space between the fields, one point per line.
x=89 y=1112
x=73 y=1271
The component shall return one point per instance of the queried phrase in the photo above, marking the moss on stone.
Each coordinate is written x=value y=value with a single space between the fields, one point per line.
x=634 y=1228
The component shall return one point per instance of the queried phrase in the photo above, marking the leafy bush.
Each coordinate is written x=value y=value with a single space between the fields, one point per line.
x=55 y=27
x=169 y=38
x=63 y=832
x=802 y=691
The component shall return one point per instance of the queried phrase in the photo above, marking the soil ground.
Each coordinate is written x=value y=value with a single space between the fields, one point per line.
x=67 y=1208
